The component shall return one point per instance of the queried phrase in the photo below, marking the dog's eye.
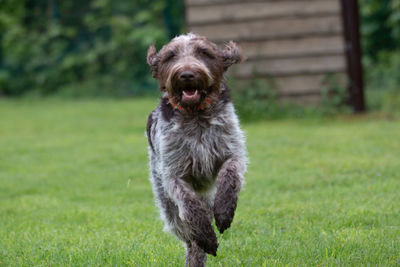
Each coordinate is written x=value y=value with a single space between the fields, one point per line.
x=169 y=57
x=206 y=53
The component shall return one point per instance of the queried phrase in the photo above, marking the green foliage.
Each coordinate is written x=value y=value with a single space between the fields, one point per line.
x=99 y=46
x=381 y=44
x=380 y=25
x=255 y=99
x=75 y=191
x=335 y=96
x=383 y=83
x=258 y=99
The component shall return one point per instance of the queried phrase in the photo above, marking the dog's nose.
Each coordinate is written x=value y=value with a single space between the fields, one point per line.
x=187 y=75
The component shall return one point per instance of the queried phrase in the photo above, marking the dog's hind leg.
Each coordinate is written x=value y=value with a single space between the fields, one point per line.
x=168 y=209
x=195 y=216
x=195 y=256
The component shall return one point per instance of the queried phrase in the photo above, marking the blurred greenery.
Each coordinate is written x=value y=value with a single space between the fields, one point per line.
x=383 y=83
x=82 y=47
x=98 y=48
x=380 y=28
x=262 y=101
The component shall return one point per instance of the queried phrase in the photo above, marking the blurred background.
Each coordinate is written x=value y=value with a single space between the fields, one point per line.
x=75 y=48
x=95 y=48
x=323 y=183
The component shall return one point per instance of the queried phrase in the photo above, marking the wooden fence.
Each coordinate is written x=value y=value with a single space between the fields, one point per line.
x=299 y=43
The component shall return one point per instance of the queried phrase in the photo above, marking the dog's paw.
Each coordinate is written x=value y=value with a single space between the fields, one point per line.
x=207 y=241
x=224 y=210
x=203 y=234
x=223 y=220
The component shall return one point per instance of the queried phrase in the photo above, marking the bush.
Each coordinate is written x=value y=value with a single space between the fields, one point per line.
x=81 y=47
x=380 y=26
x=381 y=45
x=258 y=99
x=383 y=83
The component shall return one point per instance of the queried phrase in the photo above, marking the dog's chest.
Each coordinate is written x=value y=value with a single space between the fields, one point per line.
x=197 y=150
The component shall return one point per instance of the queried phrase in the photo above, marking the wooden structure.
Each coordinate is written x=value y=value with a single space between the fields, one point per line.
x=296 y=42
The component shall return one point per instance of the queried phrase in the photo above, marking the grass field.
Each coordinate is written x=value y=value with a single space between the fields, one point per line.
x=74 y=190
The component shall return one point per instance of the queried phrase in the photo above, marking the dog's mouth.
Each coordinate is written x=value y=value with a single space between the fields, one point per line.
x=190 y=95
x=189 y=92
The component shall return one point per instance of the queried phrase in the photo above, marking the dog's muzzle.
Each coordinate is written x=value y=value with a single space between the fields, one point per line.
x=190 y=87
x=190 y=94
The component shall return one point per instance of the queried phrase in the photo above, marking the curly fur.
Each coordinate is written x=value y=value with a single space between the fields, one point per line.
x=197 y=156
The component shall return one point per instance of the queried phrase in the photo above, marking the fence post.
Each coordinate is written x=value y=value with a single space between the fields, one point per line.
x=351 y=27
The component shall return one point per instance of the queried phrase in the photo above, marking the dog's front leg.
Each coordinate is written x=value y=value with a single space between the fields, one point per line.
x=194 y=215
x=229 y=183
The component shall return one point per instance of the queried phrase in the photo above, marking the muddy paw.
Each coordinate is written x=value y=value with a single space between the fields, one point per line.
x=203 y=234
x=224 y=210
x=208 y=243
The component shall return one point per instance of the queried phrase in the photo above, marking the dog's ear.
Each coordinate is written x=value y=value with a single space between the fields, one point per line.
x=153 y=59
x=232 y=54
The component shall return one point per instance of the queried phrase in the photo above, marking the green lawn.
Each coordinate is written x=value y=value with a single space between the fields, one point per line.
x=74 y=190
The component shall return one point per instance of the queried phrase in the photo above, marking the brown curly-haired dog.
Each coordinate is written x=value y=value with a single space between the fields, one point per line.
x=196 y=148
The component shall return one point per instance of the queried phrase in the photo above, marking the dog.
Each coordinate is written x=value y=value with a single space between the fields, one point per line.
x=196 y=147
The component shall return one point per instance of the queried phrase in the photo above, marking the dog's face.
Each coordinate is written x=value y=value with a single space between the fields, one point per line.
x=190 y=68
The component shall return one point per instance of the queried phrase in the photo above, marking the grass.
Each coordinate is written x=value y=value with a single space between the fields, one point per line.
x=74 y=190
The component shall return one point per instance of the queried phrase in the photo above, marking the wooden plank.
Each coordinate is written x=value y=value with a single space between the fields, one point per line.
x=290 y=66
x=305 y=84
x=313 y=100
x=271 y=29
x=224 y=2
x=320 y=45
x=298 y=84
x=245 y=11
x=216 y=2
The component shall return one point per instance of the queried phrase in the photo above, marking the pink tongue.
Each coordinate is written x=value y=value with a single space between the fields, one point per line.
x=190 y=96
x=190 y=92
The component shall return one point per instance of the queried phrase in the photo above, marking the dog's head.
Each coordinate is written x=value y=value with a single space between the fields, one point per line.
x=190 y=68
